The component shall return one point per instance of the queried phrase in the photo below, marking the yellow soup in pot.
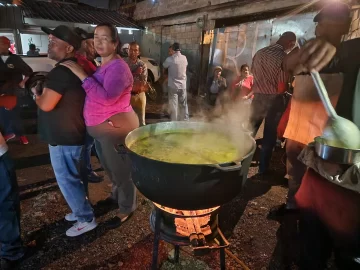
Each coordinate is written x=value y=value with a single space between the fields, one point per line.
x=187 y=148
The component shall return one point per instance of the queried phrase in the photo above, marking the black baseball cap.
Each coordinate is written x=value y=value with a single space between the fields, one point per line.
x=83 y=34
x=336 y=11
x=66 y=34
x=176 y=47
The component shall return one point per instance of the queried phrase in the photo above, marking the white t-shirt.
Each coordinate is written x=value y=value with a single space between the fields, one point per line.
x=176 y=65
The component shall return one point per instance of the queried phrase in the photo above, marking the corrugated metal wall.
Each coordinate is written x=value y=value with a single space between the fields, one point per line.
x=11 y=17
x=237 y=45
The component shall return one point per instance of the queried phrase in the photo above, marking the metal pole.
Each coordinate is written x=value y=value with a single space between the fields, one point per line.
x=201 y=59
x=177 y=254
x=222 y=259
x=155 y=256
x=161 y=41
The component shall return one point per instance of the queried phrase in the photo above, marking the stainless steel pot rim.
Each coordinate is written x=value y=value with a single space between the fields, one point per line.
x=320 y=139
x=216 y=165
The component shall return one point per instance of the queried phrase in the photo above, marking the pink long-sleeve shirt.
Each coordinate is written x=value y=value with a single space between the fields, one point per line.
x=108 y=92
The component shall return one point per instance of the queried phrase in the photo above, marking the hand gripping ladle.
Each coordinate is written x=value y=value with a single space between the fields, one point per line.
x=339 y=131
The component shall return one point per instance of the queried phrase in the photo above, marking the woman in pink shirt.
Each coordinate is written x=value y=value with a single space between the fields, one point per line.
x=241 y=87
x=109 y=116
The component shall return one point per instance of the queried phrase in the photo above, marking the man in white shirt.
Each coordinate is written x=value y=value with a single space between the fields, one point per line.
x=176 y=65
x=11 y=248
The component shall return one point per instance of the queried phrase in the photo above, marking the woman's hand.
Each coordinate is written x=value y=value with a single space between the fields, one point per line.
x=76 y=69
x=315 y=55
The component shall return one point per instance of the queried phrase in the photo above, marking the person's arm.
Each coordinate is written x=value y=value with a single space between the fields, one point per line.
x=88 y=67
x=48 y=100
x=315 y=55
x=25 y=69
x=144 y=73
x=251 y=93
x=57 y=83
x=117 y=78
x=291 y=61
x=167 y=63
x=108 y=92
x=23 y=82
x=248 y=96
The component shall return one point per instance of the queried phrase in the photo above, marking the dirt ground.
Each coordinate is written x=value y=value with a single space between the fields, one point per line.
x=256 y=238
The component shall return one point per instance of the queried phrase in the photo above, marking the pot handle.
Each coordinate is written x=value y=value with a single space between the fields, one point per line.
x=229 y=167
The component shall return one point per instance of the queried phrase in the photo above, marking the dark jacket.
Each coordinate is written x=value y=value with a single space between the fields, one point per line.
x=12 y=72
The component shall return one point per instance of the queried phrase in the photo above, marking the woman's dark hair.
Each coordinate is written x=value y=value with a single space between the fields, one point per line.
x=244 y=66
x=113 y=34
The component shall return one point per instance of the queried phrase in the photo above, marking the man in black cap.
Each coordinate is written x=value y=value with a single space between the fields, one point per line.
x=330 y=220
x=176 y=65
x=62 y=126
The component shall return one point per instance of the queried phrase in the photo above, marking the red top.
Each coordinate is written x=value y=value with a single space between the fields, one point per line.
x=88 y=67
x=8 y=102
x=338 y=208
x=245 y=87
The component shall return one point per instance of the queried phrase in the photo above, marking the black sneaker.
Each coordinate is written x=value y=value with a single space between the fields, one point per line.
x=280 y=211
x=6 y=264
x=93 y=177
x=109 y=201
x=9 y=265
x=117 y=221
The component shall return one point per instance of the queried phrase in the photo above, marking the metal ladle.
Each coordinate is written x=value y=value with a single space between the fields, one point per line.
x=339 y=131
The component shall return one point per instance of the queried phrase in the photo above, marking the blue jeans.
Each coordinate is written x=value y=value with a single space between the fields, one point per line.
x=66 y=162
x=11 y=122
x=10 y=241
x=270 y=108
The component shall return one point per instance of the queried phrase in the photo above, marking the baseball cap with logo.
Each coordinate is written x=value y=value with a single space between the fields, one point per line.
x=66 y=34
x=336 y=11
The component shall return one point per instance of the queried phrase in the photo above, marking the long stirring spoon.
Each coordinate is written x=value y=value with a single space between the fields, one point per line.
x=339 y=131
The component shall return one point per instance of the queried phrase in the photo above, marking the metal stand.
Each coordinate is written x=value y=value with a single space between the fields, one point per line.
x=155 y=256
x=176 y=254
x=222 y=259
x=223 y=243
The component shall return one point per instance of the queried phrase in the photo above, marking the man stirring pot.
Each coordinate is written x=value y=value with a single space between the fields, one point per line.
x=330 y=218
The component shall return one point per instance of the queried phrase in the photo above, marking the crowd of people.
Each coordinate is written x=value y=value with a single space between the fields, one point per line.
x=98 y=111
x=98 y=108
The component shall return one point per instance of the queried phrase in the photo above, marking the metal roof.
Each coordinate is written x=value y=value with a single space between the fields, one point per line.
x=77 y=13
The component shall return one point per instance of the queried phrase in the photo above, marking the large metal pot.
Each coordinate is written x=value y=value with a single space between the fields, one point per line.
x=184 y=186
x=336 y=154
